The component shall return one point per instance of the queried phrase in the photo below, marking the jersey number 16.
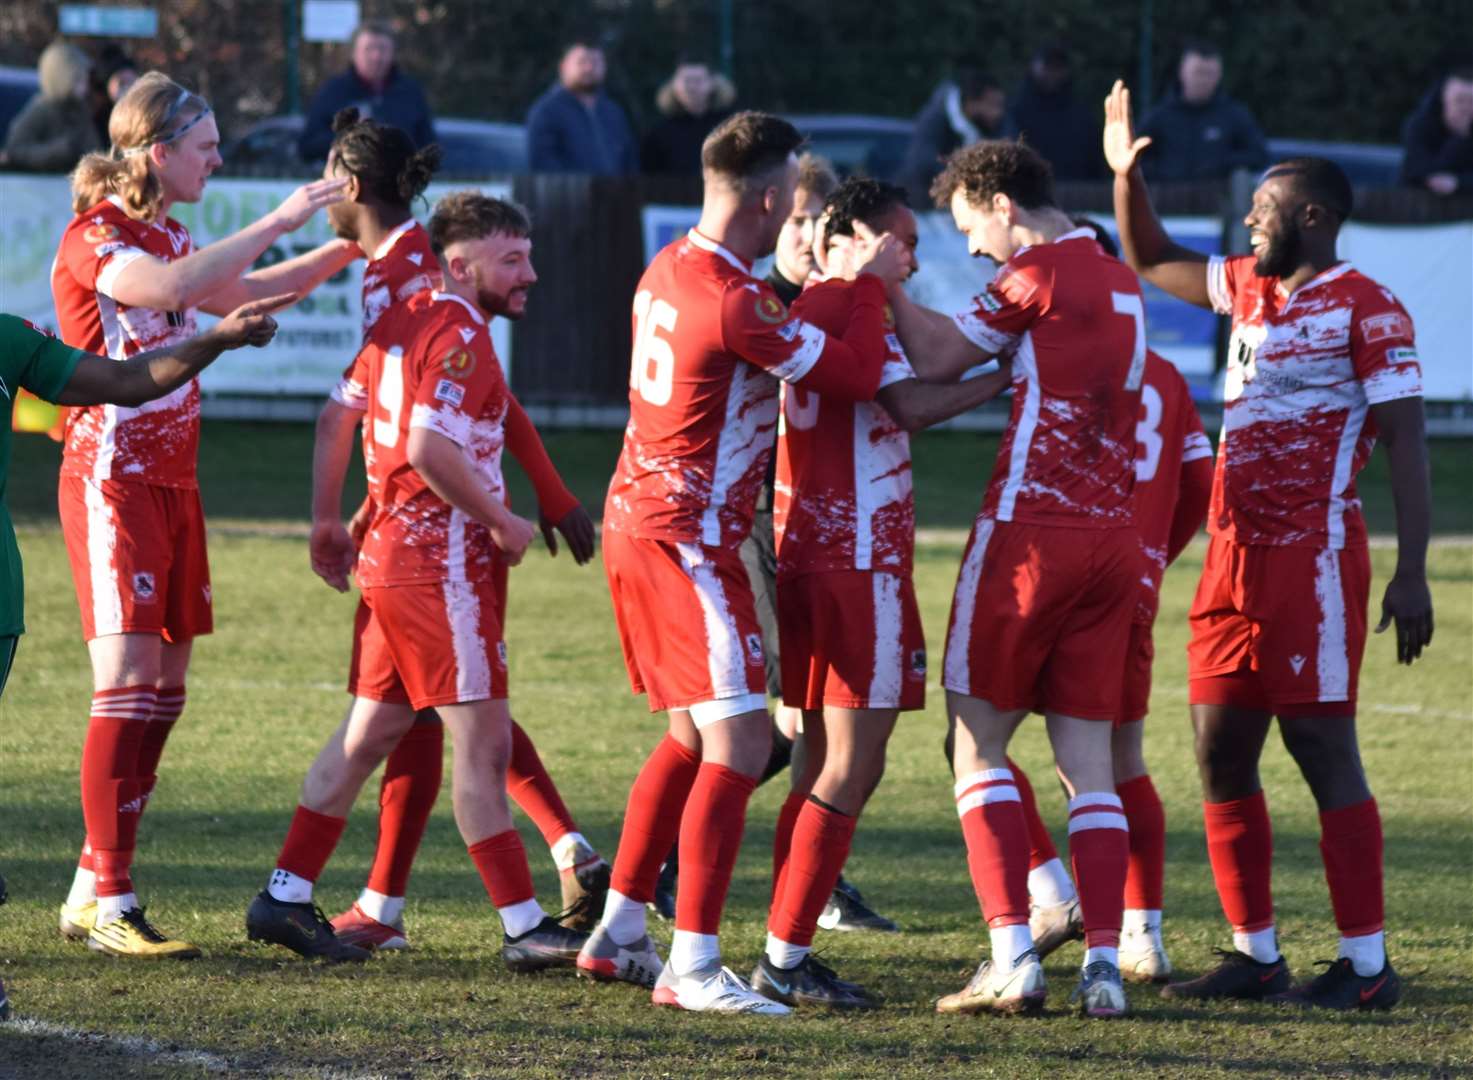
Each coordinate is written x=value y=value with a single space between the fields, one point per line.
x=652 y=368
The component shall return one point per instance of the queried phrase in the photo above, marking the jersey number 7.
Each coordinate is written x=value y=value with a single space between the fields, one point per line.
x=1131 y=304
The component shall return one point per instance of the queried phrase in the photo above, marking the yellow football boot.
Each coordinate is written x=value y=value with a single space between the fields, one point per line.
x=77 y=922
x=130 y=934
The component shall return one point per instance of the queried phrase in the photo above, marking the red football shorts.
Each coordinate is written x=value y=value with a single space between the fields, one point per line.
x=1135 y=699
x=687 y=622
x=1041 y=618
x=426 y=645
x=851 y=639
x=1278 y=626
x=138 y=557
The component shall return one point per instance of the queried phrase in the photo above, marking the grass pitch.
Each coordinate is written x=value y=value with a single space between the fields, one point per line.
x=267 y=687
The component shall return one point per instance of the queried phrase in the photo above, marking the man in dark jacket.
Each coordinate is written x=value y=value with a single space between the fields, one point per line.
x=1439 y=138
x=55 y=128
x=1198 y=132
x=960 y=112
x=1048 y=118
x=692 y=103
x=577 y=128
x=376 y=87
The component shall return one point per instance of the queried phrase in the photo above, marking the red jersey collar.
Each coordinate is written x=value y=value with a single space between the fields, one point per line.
x=707 y=244
x=463 y=302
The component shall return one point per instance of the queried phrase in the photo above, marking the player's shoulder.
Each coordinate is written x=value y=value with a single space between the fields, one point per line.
x=750 y=304
x=824 y=300
x=1365 y=292
x=103 y=223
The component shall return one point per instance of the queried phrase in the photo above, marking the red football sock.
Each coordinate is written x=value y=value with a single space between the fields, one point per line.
x=820 y=845
x=1351 y=845
x=782 y=841
x=1147 y=843
x=309 y=843
x=502 y=863
x=166 y=712
x=410 y=786
x=1099 y=852
x=111 y=796
x=530 y=787
x=996 y=834
x=710 y=837
x=1240 y=847
x=652 y=818
x=1040 y=843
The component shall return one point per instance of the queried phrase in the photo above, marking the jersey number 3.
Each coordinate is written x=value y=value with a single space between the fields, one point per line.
x=652 y=370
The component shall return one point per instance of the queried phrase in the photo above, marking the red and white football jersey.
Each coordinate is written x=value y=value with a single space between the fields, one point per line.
x=708 y=340
x=431 y=365
x=1302 y=373
x=1074 y=322
x=154 y=443
x=1168 y=435
x=843 y=498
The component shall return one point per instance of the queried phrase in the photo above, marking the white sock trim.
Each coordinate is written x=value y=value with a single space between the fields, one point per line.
x=1049 y=884
x=110 y=907
x=623 y=918
x=690 y=951
x=1009 y=943
x=1262 y=945
x=289 y=888
x=83 y=890
x=517 y=919
x=565 y=849
x=385 y=909
x=1366 y=953
x=1108 y=953
x=784 y=954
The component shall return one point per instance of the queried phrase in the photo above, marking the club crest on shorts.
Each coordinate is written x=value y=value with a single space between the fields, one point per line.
x=770 y=310
x=754 y=648
x=143 y=588
x=918 y=661
x=459 y=363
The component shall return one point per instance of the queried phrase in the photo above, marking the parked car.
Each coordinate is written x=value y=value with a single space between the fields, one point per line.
x=469 y=148
x=1367 y=164
x=869 y=145
x=17 y=86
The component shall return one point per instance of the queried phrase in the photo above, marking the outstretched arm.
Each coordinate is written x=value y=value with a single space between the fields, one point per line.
x=937 y=348
x=914 y=405
x=153 y=374
x=299 y=275
x=1407 y=600
x=1150 y=252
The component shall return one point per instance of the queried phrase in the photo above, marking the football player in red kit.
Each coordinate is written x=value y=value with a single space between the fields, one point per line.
x=1048 y=584
x=708 y=340
x=1322 y=360
x=386 y=173
x=127 y=278
x=428 y=632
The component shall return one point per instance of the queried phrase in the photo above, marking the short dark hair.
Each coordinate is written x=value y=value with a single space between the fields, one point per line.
x=747 y=146
x=383 y=158
x=374 y=27
x=1199 y=47
x=816 y=176
x=860 y=198
x=1320 y=180
x=470 y=215
x=583 y=38
x=1102 y=234
x=974 y=82
x=996 y=167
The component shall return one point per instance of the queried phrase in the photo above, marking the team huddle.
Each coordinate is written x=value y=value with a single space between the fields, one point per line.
x=1103 y=476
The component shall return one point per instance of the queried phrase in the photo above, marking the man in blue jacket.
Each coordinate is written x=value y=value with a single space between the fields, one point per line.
x=1197 y=132
x=376 y=87
x=577 y=128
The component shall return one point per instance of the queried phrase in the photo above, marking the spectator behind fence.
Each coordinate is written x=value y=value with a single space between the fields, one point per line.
x=577 y=128
x=1439 y=138
x=1198 y=132
x=54 y=129
x=1048 y=118
x=692 y=103
x=968 y=109
x=112 y=74
x=374 y=85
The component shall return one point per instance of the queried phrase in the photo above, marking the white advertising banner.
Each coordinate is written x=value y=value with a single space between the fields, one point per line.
x=318 y=336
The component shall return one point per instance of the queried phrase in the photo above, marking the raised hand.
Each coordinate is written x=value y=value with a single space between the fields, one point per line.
x=1122 y=148
x=1409 y=602
x=301 y=204
x=883 y=255
x=333 y=553
x=252 y=324
x=577 y=529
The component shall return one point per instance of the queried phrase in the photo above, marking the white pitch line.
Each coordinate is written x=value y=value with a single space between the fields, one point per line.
x=130 y=1045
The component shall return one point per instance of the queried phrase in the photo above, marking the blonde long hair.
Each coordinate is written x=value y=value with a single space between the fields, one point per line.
x=155 y=110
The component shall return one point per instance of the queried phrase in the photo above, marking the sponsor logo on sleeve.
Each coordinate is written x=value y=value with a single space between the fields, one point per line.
x=102 y=251
x=459 y=363
x=987 y=300
x=100 y=234
x=1401 y=356
x=789 y=331
x=466 y=333
x=451 y=393
x=770 y=310
x=1386 y=327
